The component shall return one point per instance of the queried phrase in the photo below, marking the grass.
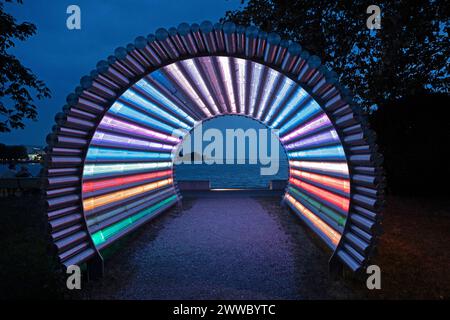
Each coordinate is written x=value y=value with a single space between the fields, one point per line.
x=414 y=251
x=27 y=269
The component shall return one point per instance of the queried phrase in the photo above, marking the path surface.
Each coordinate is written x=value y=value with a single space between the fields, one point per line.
x=225 y=247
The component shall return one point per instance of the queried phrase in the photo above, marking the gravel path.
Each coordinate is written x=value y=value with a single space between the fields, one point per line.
x=225 y=247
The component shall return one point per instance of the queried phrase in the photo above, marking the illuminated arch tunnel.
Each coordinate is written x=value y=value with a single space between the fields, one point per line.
x=109 y=167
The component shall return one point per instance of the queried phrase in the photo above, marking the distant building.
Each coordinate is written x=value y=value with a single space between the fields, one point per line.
x=35 y=153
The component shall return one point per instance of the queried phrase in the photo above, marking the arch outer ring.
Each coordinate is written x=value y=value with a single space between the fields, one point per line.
x=99 y=89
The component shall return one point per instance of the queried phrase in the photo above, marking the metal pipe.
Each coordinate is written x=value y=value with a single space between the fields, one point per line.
x=184 y=30
x=291 y=57
x=229 y=31
x=207 y=31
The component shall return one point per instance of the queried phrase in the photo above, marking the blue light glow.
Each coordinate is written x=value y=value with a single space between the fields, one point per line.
x=323 y=153
x=305 y=113
x=95 y=153
x=157 y=95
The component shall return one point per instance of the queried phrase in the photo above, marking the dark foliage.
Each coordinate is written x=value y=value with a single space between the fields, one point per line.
x=408 y=54
x=18 y=84
x=8 y=153
x=413 y=134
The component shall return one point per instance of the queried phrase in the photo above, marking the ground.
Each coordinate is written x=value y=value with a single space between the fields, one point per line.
x=250 y=249
x=226 y=247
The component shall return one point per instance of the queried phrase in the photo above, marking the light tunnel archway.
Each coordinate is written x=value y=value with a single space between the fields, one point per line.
x=109 y=165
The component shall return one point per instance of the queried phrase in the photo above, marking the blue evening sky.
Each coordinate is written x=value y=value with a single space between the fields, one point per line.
x=60 y=57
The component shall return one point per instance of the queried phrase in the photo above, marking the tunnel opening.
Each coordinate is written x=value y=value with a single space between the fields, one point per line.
x=110 y=163
x=232 y=153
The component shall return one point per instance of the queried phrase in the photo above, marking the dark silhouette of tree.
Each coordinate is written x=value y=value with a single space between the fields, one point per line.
x=12 y=153
x=413 y=135
x=18 y=84
x=410 y=52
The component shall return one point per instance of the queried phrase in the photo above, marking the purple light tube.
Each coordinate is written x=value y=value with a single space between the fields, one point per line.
x=207 y=65
x=320 y=139
x=127 y=127
x=314 y=124
x=102 y=138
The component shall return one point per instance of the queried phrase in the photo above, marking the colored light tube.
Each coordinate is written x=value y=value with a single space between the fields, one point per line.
x=134 y=115
x=340 y=220
x=161 y=79
x=207 y=65
x=267 y=91
x=326 y=152
x=95 y=153
x=333 y=235
x=123 y=126
x=176 y=73
x=95 y=202
x=339 y=184
x=335 y=199
x=296 y=100
x=134 y=98
x=191 y=68
x=225 y=71
x=306 y=112
x=101 y=236
x=315 y=124
x=103 y=137
x=91 y=170
x=142 y=202
x=158 y=96
x=333 y=167
x=255 y=86
x=329 y=137
x=241 y=80
x=287 y=86
x=91 y=186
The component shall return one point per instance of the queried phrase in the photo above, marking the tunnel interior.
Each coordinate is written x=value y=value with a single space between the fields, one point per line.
x=128 y=171
x=110 y=158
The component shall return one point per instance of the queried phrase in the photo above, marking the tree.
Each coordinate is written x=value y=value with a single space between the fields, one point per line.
x=13 y=153
x=18 y=84
x=413 y=135
x=409 y=54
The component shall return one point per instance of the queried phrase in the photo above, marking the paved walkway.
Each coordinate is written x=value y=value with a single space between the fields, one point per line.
x=224 y=247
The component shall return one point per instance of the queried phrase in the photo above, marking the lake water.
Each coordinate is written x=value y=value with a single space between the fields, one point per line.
x=34 y=168
x=230 y=176
x=220 y=175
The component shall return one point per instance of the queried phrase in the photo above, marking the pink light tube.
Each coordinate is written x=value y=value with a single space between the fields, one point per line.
x=176 y=73
x=339 y=184
x=338 y=201
x=325 y=137
x=101 y=138
x=314 y=124
x=122 y=126
x=206 y=63
x=191 y=68
x=241 y=79
x=225 y=70
x=267 y=91
x=334 y=167
x=255 y=86
x=91 y=186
